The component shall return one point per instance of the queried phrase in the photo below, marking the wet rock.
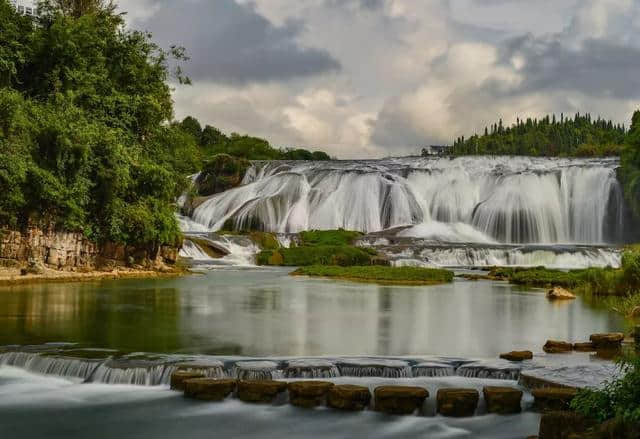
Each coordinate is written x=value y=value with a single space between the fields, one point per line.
x=557 y=347
x=559 y=293
x=610 y=341
x=260 y=391
x=178 y=378
x=584 y=347
x=517 y=355
x=399 y=400
x=635 y=313
x=502 y=400
x=208 y=389
x=349 y=397
x=457 y=402
x=553 y=398
x=308 y=394
x=562 y=424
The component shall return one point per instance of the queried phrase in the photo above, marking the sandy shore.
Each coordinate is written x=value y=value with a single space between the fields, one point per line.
x=12 y=276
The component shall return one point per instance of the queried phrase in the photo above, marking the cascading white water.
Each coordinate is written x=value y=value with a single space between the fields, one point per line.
x=467 y=199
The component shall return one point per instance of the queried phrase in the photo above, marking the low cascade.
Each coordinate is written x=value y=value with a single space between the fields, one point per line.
x=507 y=200
x=50 y=365
x=256 y=370
x=123 y=373
x=375 y=368
x=498 y=370
x=304 y=368
x=430 y=369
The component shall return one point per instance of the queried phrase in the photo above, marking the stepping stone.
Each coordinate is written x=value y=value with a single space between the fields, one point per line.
x=399 y=400
x=209 y=368
x=557 y=347
x=609 y=341
x=349 y=397
x=584 y=347
x=457 y=402
x=208 y=389
x=517 y=355
x=179 y=377
x=553 y=398
x=502 y=400
x=260 y=391
x=308 y=394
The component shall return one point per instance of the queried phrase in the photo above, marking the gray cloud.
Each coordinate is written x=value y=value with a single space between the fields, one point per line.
x=232 y=43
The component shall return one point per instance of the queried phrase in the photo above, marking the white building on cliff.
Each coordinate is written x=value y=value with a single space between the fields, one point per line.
x=25 y=7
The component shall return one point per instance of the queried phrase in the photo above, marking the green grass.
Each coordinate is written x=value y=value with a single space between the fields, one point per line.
x=380 y=274
x=328 y=237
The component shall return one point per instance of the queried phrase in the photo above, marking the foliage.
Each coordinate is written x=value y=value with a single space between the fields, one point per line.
x=620 y=398
x=580 y=136
x=397 y=275
x=630 y=165
x=266 y=241
x=85 y=143
x=212 y=141
x=221 y=173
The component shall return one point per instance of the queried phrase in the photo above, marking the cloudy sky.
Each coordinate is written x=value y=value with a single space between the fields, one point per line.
x=373 y=78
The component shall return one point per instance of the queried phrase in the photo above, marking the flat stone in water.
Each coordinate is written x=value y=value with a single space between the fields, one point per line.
x=349 y=397
x=457 y=402
x=308 y=394
x=553 y=398
x=399 y=400
x=260 y=391
x=209 y=389
x=503 y=400
x=179 y=377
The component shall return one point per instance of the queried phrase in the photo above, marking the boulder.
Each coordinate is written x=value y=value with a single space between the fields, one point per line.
x=209 y=389
x=457 y=402
x=517 y=355
x=308 y=393
x=348 y=397
x=553 y=398
x=584 y=347
x=559 y=293
x=399 y=400
x=562 y=424
x=34 y=266
x=502 y=400
x=557 y=347
x=260 y=391
x=178 y=378
x=610 y=341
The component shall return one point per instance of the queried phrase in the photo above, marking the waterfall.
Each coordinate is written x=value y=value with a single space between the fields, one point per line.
x=506 y=200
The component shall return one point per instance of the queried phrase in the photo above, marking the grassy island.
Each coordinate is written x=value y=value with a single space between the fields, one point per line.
x=380 y=274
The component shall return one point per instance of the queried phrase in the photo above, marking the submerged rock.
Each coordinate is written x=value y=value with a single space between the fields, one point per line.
x=349 y=397
x=517 y=355
x=399 y=400
x=553 y=398
x=557 y=347
x=562 y=425
x=502 y=400
x=559 y=293
x=208 y=389
x=308 y=394
x=457 y=402
x=179 y=377
x=260 y=391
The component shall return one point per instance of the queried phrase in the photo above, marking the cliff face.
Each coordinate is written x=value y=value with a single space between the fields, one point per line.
x=65 y=250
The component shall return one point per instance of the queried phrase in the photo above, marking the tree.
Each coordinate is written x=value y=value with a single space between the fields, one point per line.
x=191 y=125
x=77 y=8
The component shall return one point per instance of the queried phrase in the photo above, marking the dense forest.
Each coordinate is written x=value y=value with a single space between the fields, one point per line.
x=87 y=136
x=580 y=136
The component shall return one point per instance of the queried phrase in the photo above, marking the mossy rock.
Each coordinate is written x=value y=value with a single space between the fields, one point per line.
x=553 y=398
x=557 y=347
x=349 y=397
x=457 y=402
x=221 y=173
x=399 y=400
x=609 y=341
x=266 y=241
x=517 y=355
x=562 y=425
x=260 y=391
x=179 y=377
x=209 y=389
x=502 y=400
x=308 y=394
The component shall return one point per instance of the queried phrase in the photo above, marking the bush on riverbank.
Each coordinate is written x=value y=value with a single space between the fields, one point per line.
x=379 y=274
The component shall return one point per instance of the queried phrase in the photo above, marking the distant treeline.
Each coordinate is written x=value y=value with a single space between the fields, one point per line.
x=212 y=141
x=580 y=136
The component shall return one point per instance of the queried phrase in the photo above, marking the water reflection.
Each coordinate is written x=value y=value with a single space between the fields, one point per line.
x=269 y=313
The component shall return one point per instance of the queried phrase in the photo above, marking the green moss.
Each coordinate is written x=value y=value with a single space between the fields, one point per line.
x=320 y=255
x=328 y=237
x=379 y=274
x=266 y=241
